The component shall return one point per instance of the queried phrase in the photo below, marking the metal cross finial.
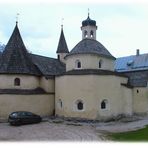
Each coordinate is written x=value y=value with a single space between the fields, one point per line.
x=17 y=15
x=62 y=22
x=88 y=12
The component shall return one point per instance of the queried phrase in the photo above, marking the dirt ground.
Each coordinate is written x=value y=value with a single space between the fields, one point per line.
x=61 y=130
x=46 y=131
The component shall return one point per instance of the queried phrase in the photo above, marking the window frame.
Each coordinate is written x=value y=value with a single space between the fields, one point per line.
x=17 y=82
x=60 y=104
x=76 y=105
x=100 y=63
x=80 y=105
x=91 y=34
x=58 y=57
x=78 y=64
x=85 y=34
x=106 y=105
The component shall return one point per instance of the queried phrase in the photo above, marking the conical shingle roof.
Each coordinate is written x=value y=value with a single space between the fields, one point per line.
x=15 y=58
x=62 y=46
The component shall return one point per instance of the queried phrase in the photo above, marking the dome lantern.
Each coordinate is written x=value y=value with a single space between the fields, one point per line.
x=89 y=28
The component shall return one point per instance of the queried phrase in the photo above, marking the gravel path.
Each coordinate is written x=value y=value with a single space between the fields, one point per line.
x=46 y=131
x=67 y=131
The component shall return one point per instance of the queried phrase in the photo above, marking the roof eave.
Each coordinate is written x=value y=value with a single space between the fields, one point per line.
x=102 y=55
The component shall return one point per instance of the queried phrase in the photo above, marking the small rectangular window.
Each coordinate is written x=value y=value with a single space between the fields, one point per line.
x=17 y=82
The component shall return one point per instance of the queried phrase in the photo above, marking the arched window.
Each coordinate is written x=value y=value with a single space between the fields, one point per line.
x=85 y=33
x=100 y=64
x=91 y=34
x=60 y=104
x=78 y=64
x=104 y=104
x=17 y=81
x=58 y=57
x=79 y=105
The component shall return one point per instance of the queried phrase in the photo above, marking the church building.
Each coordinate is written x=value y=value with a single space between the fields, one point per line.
x=85 y=82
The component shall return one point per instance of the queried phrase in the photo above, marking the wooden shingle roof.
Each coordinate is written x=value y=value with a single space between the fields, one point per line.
x=48 y=66
x=90 y=46
x=15 y=58
x=62 y=45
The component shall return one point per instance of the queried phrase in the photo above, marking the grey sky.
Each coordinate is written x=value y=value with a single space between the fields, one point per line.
x=122 y=27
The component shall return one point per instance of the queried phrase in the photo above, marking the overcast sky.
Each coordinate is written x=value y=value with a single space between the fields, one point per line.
x=122 y=27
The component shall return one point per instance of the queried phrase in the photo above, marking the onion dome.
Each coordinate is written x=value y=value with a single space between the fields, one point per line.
x=88 y=22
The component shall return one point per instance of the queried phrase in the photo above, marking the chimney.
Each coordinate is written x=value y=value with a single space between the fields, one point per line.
x=137 y=52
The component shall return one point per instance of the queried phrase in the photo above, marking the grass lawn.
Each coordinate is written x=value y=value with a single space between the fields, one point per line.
x=139 y=135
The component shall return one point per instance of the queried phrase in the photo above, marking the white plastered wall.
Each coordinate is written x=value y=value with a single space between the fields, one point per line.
x=26 y=81
x=89 y=61
x=140 y=100
x=47 y=84
x=40 y=104
x=92 y=90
